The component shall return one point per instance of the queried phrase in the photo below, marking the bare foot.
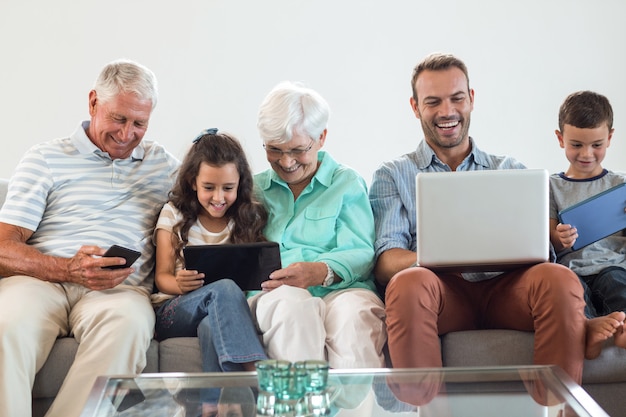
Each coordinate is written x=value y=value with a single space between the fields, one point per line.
x=600 y=329
x=620 y=335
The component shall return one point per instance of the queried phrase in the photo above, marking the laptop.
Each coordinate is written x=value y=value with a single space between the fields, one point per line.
x=598 y=216
x=490 y=220
x=248 y=264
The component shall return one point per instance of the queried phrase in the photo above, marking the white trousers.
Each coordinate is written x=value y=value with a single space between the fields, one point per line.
x=346 y=327
x=113 y=329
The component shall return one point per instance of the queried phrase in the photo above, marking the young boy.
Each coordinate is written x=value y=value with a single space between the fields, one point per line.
x=585 y=131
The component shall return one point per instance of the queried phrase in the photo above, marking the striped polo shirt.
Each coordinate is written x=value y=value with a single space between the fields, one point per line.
x=70 y=194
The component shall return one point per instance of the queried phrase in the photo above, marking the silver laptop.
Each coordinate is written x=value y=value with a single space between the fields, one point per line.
x=491 y=220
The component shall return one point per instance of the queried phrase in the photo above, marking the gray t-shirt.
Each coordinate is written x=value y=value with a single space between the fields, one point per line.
x=610 y=251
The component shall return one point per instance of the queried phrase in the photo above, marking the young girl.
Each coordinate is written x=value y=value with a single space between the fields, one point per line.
x=211 y=203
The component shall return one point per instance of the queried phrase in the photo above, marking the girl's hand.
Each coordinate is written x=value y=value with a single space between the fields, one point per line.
x=567 y=235
x=189 y=280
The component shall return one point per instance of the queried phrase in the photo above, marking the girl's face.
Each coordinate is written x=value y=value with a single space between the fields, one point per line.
x=216 y=188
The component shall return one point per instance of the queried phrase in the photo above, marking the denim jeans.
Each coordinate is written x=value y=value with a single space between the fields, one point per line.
x=218 y=314
x=605 y=292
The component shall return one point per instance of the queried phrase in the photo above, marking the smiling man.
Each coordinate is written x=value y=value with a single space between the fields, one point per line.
x=421 y=305
x=68 y=201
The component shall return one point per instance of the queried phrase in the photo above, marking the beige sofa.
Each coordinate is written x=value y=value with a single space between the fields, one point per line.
x=604 y=378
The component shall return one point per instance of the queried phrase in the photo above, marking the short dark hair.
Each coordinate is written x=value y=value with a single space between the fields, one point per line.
x=437 y=62
x=585 y=110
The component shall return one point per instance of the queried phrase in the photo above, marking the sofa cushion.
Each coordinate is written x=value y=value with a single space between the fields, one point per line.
x=180 y=354
x=609 y=367
x=50 y=377
x=510 y=347
x=487 y=348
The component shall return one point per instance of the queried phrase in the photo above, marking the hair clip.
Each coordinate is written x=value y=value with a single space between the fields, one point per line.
x=211 y=131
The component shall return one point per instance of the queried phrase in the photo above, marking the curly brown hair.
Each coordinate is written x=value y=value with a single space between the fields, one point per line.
x=248 y=214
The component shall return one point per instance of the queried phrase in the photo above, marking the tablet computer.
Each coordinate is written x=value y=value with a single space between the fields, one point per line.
x=248 y=264
x=598 y=216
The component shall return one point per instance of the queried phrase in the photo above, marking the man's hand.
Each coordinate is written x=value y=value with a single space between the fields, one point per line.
x=392 y=261
x=87 y=269
x=298 y=274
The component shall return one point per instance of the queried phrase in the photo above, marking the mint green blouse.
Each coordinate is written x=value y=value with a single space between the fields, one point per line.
x=331 y=221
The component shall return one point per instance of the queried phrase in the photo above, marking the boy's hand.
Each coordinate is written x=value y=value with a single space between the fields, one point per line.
x=567 y=234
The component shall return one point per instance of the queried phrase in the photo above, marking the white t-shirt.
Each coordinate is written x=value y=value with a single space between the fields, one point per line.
x=197 y=235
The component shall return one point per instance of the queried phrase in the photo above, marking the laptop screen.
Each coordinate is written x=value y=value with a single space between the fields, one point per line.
x=490 y=220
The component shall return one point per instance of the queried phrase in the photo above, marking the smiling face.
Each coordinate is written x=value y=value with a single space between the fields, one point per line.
x=117 y=126
x=216 y=188
x=297 y=168
x=585 y=149
x=444 y=103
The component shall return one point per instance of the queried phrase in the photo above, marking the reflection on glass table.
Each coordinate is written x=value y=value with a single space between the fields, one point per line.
x=525 y=391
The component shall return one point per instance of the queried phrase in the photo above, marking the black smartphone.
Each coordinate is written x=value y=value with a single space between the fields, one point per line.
x=121 y=252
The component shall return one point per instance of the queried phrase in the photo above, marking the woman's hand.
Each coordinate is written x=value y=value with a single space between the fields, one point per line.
x=298 y=274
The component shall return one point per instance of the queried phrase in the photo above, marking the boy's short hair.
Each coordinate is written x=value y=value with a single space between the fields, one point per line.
x=585 y=110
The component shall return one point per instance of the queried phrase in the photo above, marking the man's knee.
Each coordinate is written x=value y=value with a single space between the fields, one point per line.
x=551 y=278
x=411 y=282
x=556 y=274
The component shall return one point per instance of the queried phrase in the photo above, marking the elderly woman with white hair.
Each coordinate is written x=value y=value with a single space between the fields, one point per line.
x=323 y=303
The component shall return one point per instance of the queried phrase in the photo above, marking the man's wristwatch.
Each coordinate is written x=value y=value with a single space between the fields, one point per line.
x=330 y=276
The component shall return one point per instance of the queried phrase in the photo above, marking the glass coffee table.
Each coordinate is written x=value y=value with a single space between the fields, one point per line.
x=523 y=391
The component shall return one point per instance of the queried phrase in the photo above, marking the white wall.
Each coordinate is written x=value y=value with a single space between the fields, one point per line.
x=216 y=60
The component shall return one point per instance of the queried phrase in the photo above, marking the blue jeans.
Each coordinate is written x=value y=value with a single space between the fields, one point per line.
x=605 y=292
x=218 y=314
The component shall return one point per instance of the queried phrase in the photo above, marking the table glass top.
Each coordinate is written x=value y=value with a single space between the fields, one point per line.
x=525 y=391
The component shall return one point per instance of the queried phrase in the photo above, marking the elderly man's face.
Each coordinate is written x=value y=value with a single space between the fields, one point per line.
x=118 y=125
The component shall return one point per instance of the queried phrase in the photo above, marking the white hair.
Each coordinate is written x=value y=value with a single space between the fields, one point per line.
x=292 y=108
x=125 y=76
